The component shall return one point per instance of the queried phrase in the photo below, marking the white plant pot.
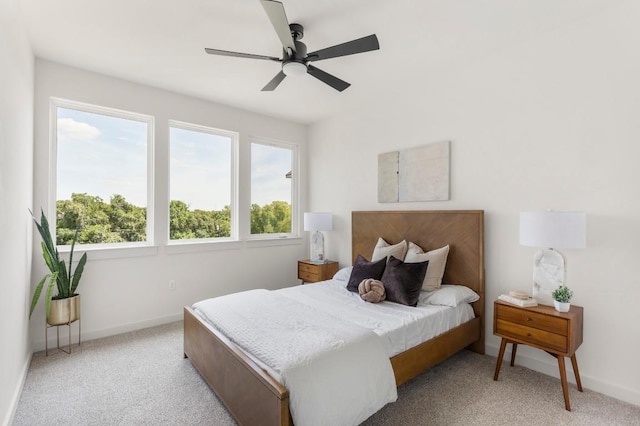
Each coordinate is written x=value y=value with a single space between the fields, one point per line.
x=561 y=307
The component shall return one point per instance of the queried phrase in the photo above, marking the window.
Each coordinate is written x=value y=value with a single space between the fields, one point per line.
x=273 y=178
x=201 y=182
x=102 y=174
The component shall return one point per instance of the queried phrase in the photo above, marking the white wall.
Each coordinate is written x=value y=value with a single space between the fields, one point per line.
x=549 y=122
x=123 y=293
x=16 y=179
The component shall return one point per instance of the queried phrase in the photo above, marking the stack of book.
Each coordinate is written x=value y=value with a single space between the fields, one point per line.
x=519 y=298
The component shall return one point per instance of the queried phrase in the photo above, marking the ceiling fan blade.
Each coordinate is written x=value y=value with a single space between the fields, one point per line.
x=327 y=78
x=275 y=81
x=278 y=18
x=364 y=44
x=239 y=55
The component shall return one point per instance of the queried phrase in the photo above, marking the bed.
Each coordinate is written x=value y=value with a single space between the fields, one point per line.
x=255 y=397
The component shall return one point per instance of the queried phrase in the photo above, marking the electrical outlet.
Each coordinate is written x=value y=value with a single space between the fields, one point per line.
x=172 y=285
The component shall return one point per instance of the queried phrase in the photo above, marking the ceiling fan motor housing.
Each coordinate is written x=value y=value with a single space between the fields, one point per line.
x=297 y=31
x=301 y=50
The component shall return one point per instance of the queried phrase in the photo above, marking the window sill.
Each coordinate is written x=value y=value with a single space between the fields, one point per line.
x=102 y=253
x=273 y=241
x=96 y=252
x=194 y=246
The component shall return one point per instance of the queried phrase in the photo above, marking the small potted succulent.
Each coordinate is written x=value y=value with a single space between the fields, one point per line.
x=562 y=298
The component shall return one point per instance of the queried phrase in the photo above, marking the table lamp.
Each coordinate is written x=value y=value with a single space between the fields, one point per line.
x=549 y=230
x=317 y=222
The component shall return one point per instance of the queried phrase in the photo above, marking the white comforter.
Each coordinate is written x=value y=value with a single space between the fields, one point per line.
x=400 y=327
x=337 y=372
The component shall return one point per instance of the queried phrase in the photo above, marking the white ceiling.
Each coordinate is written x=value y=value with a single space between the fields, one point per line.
x=161 y=43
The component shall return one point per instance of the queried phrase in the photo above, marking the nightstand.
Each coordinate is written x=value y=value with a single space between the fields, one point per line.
x=557 y=333
x=309 y=272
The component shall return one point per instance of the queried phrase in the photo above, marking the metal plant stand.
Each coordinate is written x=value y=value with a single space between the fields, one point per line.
x=68 y=350
x=73 y=316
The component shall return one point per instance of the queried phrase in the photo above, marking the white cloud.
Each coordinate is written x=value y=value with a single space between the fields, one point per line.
x=68 y=128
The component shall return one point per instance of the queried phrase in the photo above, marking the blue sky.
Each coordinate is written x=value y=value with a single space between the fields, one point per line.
x=269 y=166
x=102 y=155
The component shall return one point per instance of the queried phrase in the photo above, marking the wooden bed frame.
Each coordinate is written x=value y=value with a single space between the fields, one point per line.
x=254 y=397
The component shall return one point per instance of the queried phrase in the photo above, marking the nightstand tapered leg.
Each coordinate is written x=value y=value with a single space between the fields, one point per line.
x=503 y=345
x=514 y=348
x=576 y=373
x=563 y=379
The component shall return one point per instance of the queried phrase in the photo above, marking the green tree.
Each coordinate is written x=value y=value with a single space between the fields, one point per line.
x=127 y=220
x=180 y=221
x=82 y=212
x=99 y=222
x=120 y=221
x=223 y=222
x=274 y=218
x=186 y=224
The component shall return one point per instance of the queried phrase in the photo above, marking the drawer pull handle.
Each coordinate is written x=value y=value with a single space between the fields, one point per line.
x=528 y=334
x=528 y=319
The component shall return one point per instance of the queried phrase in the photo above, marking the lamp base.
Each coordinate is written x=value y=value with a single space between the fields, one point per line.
x=316 y=247
x=548 y=274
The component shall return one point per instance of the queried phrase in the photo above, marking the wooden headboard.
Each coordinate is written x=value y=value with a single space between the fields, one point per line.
x=463 y=230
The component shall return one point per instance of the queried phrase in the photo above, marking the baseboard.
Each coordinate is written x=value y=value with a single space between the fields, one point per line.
x=13 y=406
x=550 y=368
x=106 y=332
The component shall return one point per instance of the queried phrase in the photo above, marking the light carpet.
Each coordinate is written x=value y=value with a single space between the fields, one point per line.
x=141 y=378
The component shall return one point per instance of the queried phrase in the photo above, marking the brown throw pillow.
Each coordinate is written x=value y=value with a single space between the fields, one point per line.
x=403 y=281
x=363 y=269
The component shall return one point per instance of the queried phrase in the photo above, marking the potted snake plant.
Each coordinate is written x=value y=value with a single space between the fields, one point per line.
x=64 y=307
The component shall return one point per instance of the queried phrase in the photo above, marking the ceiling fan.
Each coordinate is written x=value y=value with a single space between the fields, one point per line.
x=295 y=59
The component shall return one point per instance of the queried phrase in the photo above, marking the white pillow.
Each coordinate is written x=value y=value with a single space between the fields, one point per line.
x=343 y=274
x=437 y=262
x=383 y=249
x=449 y=295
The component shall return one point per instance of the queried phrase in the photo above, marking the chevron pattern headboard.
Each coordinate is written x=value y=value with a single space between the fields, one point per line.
x=463 y=230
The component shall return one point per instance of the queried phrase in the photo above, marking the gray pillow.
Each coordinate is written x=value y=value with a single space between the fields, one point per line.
x=403 y=281
x=363 y=269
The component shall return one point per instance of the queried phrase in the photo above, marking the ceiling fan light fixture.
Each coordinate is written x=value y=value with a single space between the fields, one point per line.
x=294 y=68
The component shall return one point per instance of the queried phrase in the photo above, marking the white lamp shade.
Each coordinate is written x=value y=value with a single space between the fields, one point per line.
x=318 y=221
x=553 y=229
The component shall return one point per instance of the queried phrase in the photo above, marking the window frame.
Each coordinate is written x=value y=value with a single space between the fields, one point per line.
x=235 y=137
x=295 y=192
x=51 y=209
x=241 y=236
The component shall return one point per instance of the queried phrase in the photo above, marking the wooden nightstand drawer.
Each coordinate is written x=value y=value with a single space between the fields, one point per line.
x=308 y=276
x=528 y=318
x=310 y=272
x=532 y=335
x=306 y=267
